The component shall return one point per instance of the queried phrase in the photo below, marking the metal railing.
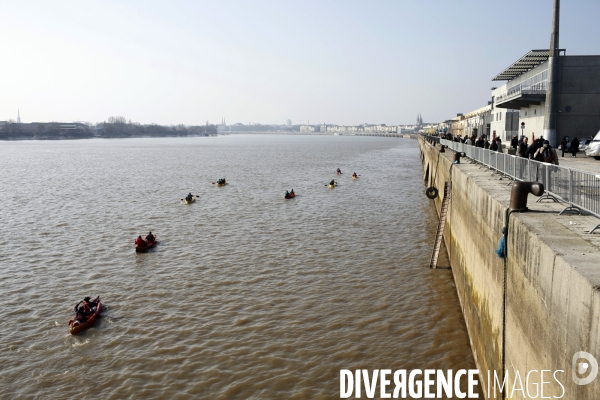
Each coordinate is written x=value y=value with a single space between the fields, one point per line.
x=579 y=189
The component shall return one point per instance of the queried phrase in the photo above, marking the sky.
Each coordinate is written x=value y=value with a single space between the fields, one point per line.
x=260 y=61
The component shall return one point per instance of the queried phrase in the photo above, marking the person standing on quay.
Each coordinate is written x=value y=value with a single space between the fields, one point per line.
x=494 y=145
x=574 y=146
x=563 y=145
x=546 y=153
x=523 y=148
x=514 y=143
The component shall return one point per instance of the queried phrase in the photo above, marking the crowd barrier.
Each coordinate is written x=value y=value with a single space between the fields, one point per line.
x=579 y=189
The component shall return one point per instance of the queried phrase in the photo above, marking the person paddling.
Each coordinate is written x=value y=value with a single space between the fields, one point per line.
x=287 y=194
x=339 y=171
x=84 y=309
x=332 y=183
x=139 y=242
x=354 y=175
x=150 y=237
x=88 y=307
x=189 y=197
x=292 y=192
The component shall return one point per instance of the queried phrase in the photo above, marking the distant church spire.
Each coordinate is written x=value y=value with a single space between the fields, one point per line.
x=18 y=116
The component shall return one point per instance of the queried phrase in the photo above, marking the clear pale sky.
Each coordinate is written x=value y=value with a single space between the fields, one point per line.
x=342 y=62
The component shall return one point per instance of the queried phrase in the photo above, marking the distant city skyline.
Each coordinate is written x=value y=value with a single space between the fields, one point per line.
x=269 y=61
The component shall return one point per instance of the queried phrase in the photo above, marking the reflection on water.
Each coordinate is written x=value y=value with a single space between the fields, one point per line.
x=247 y=295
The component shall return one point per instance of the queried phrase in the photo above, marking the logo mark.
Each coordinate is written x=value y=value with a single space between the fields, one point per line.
x=582 y=368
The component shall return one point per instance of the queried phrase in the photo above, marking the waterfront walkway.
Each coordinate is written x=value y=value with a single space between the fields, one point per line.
x=581 y=162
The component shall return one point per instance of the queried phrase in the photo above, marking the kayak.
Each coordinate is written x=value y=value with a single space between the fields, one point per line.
x=189 y=202
x=355 y=177
x=143 y=249
x=76 y=327
x=222 y=184
x=332 y=186
x=339 y=173
x=290 y=196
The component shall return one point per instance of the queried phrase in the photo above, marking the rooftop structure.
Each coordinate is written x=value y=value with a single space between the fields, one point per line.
x=526 y=63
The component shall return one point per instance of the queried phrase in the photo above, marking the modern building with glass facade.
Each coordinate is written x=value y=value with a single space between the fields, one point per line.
x=578 y=94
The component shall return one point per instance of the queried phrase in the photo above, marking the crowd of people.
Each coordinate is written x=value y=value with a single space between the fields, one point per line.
x=539 y=150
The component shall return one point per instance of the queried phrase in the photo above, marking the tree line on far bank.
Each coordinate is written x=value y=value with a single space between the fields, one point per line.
x=114 y=127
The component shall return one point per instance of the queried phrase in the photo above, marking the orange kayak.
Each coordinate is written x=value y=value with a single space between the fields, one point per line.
x=76 y=326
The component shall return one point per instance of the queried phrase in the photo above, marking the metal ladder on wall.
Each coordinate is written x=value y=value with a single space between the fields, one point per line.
x=441 y=225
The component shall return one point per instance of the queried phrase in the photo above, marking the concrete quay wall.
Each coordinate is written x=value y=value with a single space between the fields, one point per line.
x=536 y=308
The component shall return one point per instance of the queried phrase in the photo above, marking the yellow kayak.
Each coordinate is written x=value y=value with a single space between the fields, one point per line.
x=189 y=202
x=355 y=177
x=222 y=184
x=332 y=186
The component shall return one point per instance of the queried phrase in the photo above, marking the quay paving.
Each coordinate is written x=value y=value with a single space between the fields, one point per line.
x=581 y=162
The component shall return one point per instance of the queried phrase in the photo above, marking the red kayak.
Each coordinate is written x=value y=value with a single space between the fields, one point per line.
x=146 y=247
x=290 y=196
x=77 y=326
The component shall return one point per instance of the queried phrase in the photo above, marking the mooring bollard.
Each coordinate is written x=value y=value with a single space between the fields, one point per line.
x=519 y=193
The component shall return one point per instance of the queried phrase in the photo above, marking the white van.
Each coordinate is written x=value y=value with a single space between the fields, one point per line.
x=593 y=149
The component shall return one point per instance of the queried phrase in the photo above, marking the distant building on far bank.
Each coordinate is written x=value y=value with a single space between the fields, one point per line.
x=364 y=129
x=288 y=122
x=44 y=130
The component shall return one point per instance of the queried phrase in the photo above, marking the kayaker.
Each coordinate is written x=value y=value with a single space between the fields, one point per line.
x=88 y=307
x=332 y=183
x=354 y=175
x=339 y=171
x=292 y=192
x=84 y=309
x=80 y=318
x=150 y=237
x=287 y=193
x=189 y=197
x=140 y=242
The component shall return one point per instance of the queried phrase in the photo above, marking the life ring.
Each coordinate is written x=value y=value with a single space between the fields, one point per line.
x=431 y=192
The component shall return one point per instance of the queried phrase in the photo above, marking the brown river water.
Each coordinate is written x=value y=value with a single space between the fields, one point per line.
x=247 y=295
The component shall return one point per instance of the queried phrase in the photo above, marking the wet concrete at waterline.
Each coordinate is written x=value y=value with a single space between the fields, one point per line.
x=247 y=295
